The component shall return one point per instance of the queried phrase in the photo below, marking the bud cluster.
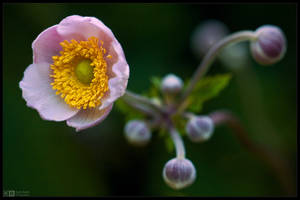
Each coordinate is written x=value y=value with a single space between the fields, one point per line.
x=268 y=45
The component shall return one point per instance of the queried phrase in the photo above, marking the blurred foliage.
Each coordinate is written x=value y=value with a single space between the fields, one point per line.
x=155 y=88
x=48 y=158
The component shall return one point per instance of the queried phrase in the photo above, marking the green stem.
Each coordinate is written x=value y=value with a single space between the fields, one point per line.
x=141 y=103
x=177 y=140
x=210 y=57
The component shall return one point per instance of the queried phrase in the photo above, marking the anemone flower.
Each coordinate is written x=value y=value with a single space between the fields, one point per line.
x=78 y=71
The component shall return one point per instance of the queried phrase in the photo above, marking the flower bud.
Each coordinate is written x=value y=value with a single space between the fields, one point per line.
x=179 y=173
x=171 y=84
x=199 y=128
x=270 y=45
x=137 y=132
x=206 y=35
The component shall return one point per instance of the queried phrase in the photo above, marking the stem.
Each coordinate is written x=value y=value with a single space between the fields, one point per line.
x=210 y=57
x=178 y=143
x=140 y=107
x=276 y=163
x=141 y=103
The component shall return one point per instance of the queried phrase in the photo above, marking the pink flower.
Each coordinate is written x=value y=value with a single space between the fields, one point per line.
x=78 y=71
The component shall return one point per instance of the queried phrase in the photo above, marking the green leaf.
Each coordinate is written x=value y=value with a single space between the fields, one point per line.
x=207 y=88
x=156 y=81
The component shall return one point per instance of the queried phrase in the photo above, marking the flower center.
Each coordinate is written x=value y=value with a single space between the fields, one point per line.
x=84 y=72
x=79 y=73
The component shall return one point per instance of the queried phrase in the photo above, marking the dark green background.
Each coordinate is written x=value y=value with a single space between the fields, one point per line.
x=50 y=159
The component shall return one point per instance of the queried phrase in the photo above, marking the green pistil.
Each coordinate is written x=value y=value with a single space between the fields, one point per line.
x=84 y=72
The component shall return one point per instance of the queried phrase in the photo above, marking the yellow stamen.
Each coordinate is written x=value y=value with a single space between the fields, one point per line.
x=79 y=73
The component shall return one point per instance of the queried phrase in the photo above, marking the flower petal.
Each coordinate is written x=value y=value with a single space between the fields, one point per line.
x=38 y=93
x=81 y=28
x=117 y=87
x=46 y=45
x=88 y=118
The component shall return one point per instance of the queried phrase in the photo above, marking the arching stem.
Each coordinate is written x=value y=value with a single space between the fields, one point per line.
x=209 y=58
x=141 y=103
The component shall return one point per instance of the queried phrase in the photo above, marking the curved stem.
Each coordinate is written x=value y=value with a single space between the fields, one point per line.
x=210 y=56
x=276 y=163
x=178 y=143
x=141 y=103
x=140 y=107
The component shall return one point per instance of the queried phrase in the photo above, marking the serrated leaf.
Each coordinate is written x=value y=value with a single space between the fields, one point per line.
x=206 y=89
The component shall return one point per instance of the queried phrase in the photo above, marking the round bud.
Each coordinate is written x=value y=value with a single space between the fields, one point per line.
x=137 y=132
x=270 y=45
x=206 y=35
x=171 y=84
x=179 y=173
x=199 y=128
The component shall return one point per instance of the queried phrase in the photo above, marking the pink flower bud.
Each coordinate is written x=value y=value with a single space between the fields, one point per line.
x=137 y=132
x=199 y=128
x=179 y=173
x=171 y=84
x=270 y=45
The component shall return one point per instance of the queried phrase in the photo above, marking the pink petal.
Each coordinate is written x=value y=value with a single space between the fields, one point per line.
x=46 y=45
x=118 y=82
x=81 y=28
x=88 y=118
x=38 y=93
x=117 y=88
x=118 y=72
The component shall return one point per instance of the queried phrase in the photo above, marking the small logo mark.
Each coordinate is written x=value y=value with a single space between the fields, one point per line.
x=9 y=193
x=15 y=193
